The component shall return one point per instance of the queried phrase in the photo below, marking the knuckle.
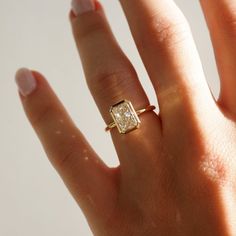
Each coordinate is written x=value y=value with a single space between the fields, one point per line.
x=113 y=84
x=67 y=156
x=166 y=32
x=171 y=96
x=213 y=169
x=85 y=29
x=214 y=163
x=174 y=96
x=42 y=116
x=170 y=34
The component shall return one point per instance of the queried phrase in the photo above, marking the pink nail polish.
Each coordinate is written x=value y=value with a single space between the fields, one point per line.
x=25 y=81
x=81 y=6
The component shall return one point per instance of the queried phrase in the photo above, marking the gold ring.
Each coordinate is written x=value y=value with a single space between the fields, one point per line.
x=124 y=116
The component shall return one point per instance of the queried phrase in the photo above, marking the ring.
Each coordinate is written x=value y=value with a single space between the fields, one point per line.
x=124 y=116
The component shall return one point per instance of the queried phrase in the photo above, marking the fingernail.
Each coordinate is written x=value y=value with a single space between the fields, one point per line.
x=25 y=81
x=81 y=6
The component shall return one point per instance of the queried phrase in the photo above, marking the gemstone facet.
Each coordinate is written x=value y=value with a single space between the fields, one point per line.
x=124 y=116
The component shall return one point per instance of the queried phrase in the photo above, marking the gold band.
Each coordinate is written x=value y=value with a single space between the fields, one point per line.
x=138 y=112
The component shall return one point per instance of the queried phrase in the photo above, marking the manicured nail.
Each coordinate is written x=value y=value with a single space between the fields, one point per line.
x=25 y=81
x=81 y=6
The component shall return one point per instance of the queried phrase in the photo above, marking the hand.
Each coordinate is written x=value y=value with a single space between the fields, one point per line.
x=177 y=171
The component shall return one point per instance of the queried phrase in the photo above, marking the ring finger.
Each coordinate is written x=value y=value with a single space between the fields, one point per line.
x=111 y=78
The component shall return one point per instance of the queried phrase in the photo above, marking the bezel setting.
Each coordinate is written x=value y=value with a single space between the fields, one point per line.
x=125 y=116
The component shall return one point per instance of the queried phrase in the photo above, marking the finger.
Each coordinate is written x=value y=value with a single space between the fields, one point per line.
x=111 y=78
x=165 y=43
x=86 y=176
x=109 y=74
x=221 y=19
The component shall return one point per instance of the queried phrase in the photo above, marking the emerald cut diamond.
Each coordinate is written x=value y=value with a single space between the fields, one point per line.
x=124 y=116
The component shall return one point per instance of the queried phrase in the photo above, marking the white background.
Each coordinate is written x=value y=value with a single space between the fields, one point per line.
x=37 y=34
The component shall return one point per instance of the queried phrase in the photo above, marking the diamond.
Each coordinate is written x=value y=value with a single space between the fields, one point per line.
x=124 y=116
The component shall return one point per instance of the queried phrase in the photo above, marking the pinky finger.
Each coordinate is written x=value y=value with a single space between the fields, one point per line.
x=87 y=177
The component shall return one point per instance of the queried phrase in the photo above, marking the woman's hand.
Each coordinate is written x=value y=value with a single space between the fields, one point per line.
x=177 y=173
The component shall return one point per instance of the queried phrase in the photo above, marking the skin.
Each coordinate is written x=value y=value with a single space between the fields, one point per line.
x=177 y=172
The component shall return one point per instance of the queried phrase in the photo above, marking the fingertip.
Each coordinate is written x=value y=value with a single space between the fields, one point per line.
x=26 y=81
x=98 y=5
x=38 y=76
x=76 y=11
x=71 y=15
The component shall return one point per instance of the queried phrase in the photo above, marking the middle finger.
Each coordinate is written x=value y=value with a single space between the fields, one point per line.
x=166 y=46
